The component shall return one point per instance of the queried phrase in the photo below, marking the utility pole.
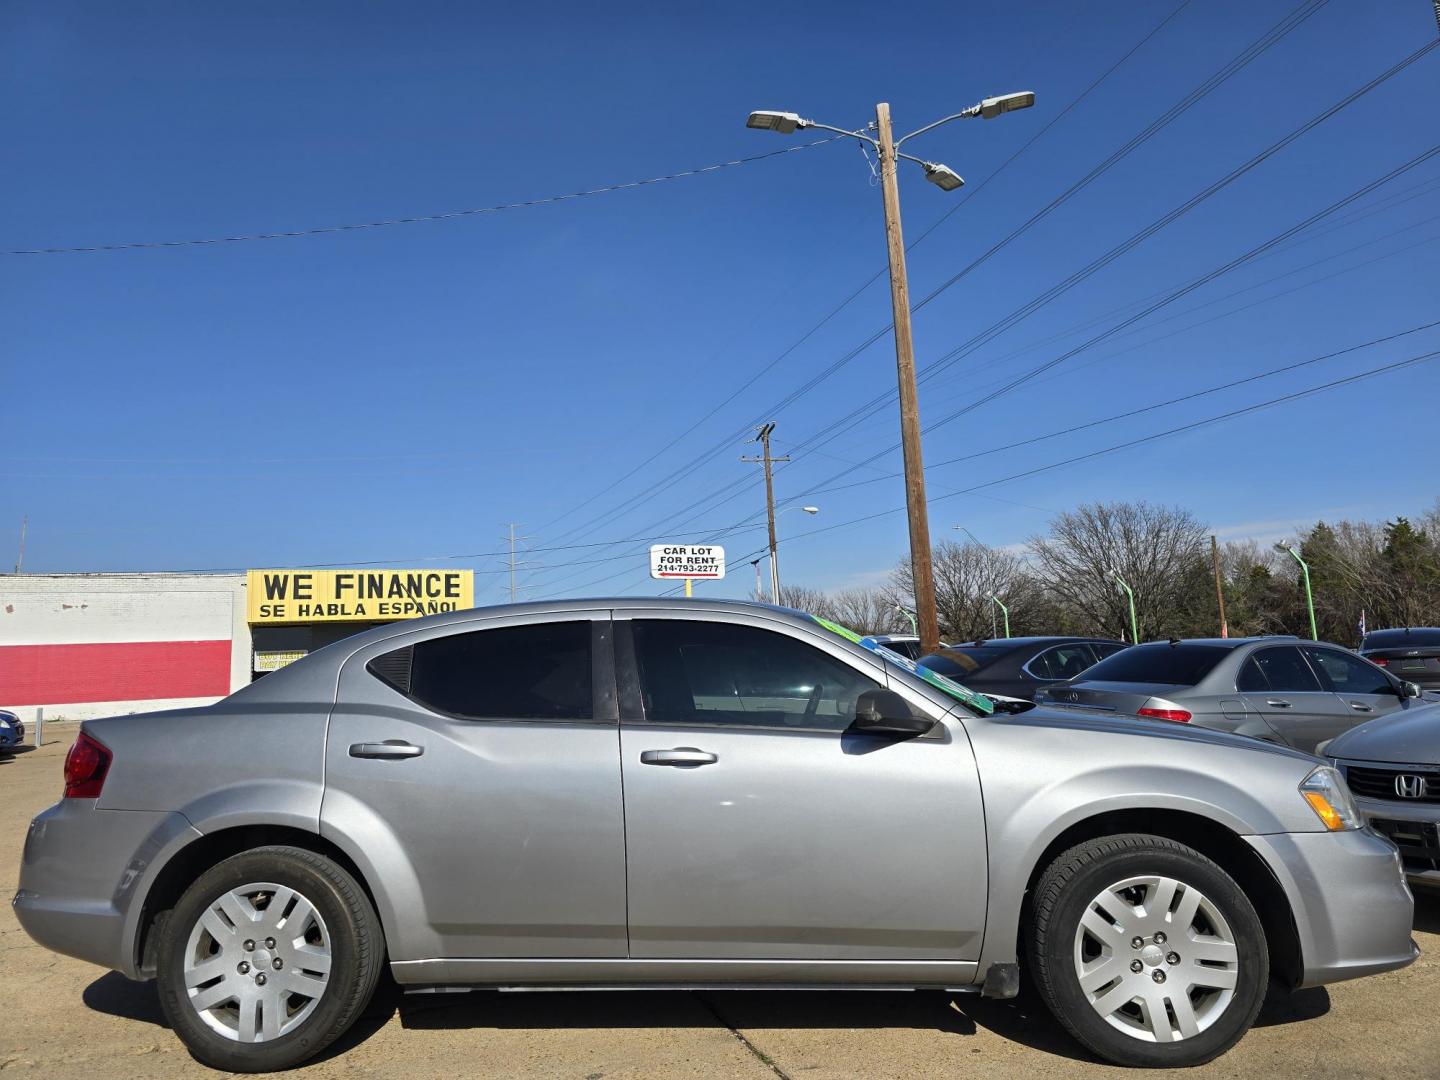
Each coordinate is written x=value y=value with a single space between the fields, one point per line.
x=763 y=438
x=921 y=570
x=514 y=589
x=20 y=557
x=947 y=179
x=1219 y=588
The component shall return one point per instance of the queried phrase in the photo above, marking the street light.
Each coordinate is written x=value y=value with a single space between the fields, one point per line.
x=775 y=557
x=945 y=178
x=1129 y=592
x=1309 y=597
x=1001 y=605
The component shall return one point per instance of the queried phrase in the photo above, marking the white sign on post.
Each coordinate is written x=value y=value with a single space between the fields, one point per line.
x=687 y=561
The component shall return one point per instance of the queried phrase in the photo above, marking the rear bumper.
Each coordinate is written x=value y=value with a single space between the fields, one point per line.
x=1353 y=909
x=83 y=876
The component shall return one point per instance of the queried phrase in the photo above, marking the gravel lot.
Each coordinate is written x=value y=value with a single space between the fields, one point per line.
x=62 y=1018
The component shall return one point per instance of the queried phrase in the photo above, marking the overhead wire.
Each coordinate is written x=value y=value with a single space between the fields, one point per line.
x=447 y=215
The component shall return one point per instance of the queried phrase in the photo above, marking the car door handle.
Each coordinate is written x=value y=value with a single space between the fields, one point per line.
x=1359 y=706
x=681 y=755
x=1278 y=703
x=390 y=748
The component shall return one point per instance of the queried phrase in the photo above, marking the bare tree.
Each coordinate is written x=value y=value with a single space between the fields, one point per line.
x=967 y=576
x=869 y=610
x=1159 y=551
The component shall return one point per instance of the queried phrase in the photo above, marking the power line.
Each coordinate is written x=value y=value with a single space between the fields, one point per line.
x=1255 y=49
x=1129 y=444
x=800 y=391
x=448 y=215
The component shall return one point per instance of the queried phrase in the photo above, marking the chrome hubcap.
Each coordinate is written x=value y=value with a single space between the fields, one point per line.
x=257 y=962
x=1156 y=959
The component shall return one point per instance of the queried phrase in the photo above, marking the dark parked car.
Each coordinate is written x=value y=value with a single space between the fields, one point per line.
x=1279 y=689
x=1411 y=653
x=1012 y=669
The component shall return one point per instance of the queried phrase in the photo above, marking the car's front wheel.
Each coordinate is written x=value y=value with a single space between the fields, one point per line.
x=268 y=958
x=1148 y=952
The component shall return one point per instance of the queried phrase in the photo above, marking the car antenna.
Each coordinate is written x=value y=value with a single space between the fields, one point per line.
x=1174 y=641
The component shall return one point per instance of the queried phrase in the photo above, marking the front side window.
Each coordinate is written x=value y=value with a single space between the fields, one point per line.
x=1349 y=674
x=1285 y=672
x=720 y=673
x=1061 y=662
x=536 y=672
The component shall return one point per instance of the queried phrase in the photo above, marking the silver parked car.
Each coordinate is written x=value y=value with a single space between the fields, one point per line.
x=1282 y=690
x=638 y=793
x=1393 y=767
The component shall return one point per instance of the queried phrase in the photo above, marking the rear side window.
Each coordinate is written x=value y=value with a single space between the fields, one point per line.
x=1175 y=665
x=1061 y=662
x=1284 y=671
x=537 y=672
x=1350 y=674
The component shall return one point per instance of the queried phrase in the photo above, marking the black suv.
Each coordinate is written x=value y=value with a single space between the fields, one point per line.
x=1411 y=653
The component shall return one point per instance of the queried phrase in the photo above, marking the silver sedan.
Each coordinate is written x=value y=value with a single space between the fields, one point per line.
x=637 y=793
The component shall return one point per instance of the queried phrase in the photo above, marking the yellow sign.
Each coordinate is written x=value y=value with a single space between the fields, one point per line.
x=304 y=596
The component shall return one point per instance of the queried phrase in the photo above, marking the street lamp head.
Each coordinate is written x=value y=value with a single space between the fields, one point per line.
x=943 y=177
x=783 y=123
x=992 y=107
x=810 y=509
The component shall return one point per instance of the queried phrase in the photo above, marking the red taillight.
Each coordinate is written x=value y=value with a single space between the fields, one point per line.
x=85 y=767
x=1180 y=716
x=1378 y=660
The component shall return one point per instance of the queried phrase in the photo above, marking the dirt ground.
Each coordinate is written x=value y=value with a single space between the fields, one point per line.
x=62 y=1019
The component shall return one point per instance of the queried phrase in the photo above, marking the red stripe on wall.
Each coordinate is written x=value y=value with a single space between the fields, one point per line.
x=113 y=671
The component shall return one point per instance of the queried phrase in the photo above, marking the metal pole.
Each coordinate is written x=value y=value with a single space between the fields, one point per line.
x=921 y=571
x=1129 y=592
x=1001 y=604
x=1219 y=588
x=1309 y=596
x=40 y=726
x=914 y=629
x=20 y=556
x=759 y=594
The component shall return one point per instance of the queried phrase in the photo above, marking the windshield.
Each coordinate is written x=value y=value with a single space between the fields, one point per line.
x=975 y=702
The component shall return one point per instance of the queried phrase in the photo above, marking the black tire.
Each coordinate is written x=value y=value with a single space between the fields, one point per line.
x=356 y=943
x=1061 y=899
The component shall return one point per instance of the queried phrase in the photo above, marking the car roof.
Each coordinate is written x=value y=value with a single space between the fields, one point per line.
x=1019 y=642
x=1232 y=642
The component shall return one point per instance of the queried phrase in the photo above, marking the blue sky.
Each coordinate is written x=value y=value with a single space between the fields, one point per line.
x=401 y=393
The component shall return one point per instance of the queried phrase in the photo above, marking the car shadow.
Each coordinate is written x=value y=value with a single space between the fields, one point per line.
x=1023 y=1020
x=1427 y=911
x=9 y=753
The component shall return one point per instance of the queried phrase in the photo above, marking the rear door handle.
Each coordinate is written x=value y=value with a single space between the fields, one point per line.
x=1360 y=706
x=1278 y=703
x=390 y=748
x=681 y=755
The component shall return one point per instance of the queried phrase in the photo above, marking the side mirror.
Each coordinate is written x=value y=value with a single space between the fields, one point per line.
x=1410 y=690
x=884 y=712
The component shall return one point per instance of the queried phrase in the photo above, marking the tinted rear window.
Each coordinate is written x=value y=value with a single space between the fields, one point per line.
x=1400 y=639
x=1176 y=665
x=963 y=660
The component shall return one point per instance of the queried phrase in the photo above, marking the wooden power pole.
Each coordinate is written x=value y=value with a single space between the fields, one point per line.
x=1219 y=588
x=921 y=570
x=763 y=438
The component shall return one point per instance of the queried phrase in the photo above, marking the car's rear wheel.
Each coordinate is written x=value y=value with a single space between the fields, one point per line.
x=267 y=959
x=1147 y=951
